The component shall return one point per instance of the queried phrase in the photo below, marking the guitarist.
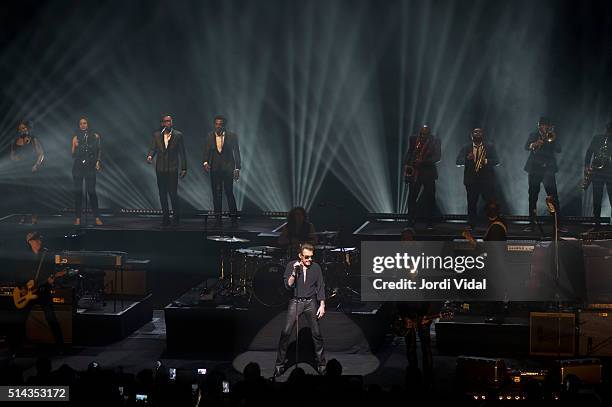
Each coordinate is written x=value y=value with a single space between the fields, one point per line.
x=38 y=261
x=414 y=314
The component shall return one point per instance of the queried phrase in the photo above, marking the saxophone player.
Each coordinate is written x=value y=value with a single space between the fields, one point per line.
x=478 y=159
x=597 y=168
x=541 y=166
x=420 y=172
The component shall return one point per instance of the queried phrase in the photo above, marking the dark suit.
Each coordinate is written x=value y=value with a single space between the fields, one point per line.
x=167 y=163
x=600 y=177
x=222 y=166
x=426 y=175
x=478 y=183
x=541 y=166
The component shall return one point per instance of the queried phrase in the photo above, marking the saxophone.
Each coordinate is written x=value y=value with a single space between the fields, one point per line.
x=480 y=160
x=600 y=161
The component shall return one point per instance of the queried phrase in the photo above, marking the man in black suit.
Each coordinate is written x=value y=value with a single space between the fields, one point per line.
x=420 y=172
x=541 y=165
x=598 y=162
x=478 y=159
x=169 y=147
x=222 y=160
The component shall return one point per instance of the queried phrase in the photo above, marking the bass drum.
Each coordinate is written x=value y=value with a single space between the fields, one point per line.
x=268 y=286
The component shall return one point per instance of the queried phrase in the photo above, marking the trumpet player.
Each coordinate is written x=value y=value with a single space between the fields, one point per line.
x=478 y=159
x=541 y=166
x=597 y=168
x=420 y=172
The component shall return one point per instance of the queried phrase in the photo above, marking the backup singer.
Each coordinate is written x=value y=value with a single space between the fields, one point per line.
x=222 y=160
x=420 y=172
x=87 y=153
x=169 y=149
x=478 y=159
x=27 y=152
x=597 y=166
x=541 y=165
x=304 y=276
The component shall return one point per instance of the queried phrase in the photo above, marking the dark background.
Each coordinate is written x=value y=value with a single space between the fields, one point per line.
x=322 y=93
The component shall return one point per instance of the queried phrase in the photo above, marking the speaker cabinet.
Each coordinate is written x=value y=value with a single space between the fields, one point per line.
x=552 y=334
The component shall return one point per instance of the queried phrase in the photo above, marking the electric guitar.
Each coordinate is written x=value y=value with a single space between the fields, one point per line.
x=23 y=295
x=402 y=325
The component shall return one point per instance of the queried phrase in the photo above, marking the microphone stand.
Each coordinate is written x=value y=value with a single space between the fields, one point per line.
x=297 y=268
x=553 y=211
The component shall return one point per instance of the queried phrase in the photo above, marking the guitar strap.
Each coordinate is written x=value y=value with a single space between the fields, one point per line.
x=40 y=262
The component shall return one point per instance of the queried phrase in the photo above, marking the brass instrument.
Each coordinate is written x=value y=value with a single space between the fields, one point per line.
x=550 y=135
x=481 y=158
x=600 y=161
x=417 y=156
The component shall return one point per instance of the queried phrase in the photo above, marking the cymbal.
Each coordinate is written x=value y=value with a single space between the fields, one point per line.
x=344 y=249
x=327 y=233
x=264 y=248
x=228 y=239
x=324 y=247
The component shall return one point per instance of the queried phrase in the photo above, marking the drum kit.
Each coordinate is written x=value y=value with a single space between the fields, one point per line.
x=254 y=275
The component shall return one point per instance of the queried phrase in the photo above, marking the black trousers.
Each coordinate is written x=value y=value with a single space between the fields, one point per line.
x=550 y=186
x=45 y=303
x=428 y=198
x=295 y=309
x=474 y=191
x=599 y=180
x=88 y=174
x=167 y=184
x=424 y=332
x=223 y=180
x=28 y=189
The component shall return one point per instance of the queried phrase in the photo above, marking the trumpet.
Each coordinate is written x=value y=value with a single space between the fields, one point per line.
x=550 y=135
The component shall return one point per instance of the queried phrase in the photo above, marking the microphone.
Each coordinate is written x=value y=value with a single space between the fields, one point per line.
x=550 y=204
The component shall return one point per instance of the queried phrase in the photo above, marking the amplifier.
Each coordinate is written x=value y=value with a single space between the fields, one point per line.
x=595 y=337
x=477 y=373
x=37 y=328
x=580 y=372
x=552 y=333
x=90 y=259
x=134 y=276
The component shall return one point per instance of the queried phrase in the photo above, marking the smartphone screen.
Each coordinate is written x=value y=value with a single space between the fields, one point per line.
x=225 y=386
x=201 y=371
x=172 y=373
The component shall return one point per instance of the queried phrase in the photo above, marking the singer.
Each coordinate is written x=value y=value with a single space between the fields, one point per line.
x=86 y=155
x=27 y=154
x=168 y=146
x=305 y=278
x=222 y=160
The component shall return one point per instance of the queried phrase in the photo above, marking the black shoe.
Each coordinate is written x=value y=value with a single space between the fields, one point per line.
x=279 y=370
x=529 y=228
x=430 y=226
x=321 y=370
